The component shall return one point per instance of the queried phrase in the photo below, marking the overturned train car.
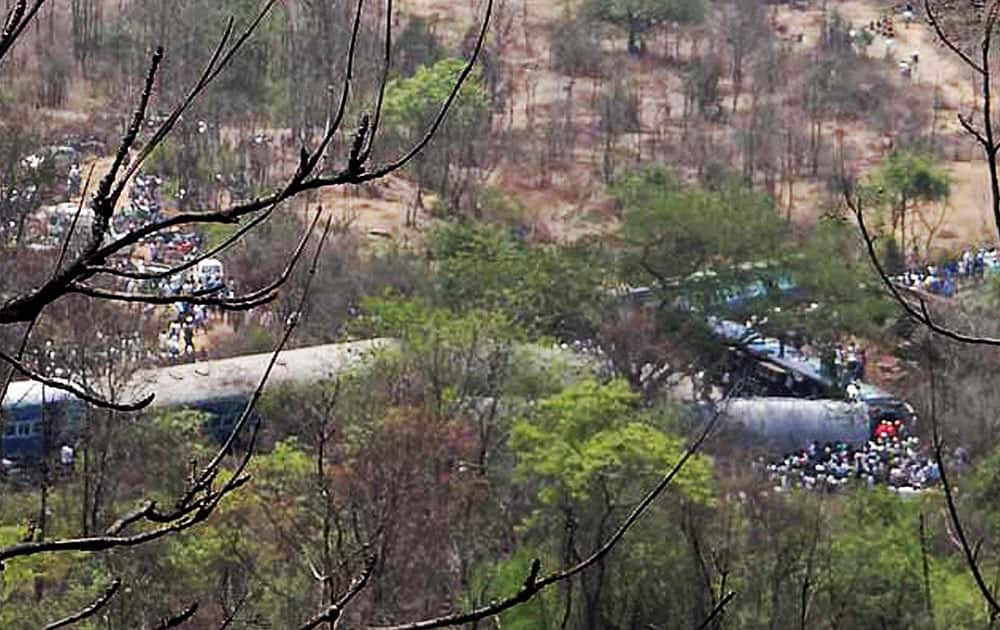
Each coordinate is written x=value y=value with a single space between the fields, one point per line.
x=37 y=418
x=790 y=423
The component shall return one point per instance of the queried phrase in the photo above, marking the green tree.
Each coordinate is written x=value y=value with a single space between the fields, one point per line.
x=591 y=435
x=590 y=454
x=674 y=231
x=910 y=179
x=411 y=105
x=544 y=289
x=828 y=270
x=638 y=17
x=876 y=564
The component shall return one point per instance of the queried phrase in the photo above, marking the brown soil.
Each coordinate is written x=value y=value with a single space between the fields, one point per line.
x=566 y=201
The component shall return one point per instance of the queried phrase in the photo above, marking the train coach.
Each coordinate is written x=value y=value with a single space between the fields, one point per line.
x=38 y=417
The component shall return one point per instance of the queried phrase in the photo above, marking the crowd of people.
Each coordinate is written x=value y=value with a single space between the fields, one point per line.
x=844 y=365
x=890 y=458
x=944 y=279
x=146 y=206
x=176 y=343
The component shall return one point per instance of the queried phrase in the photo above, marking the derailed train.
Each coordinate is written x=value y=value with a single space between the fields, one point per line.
x=795 y=402
x=788 y=398
x=39 y=418
x=791 y=423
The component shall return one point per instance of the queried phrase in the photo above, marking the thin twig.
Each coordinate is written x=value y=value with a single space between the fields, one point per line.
x=92 y=609
x=933 y=20
x=178 y=619
x=333 y=612
x=717 y=610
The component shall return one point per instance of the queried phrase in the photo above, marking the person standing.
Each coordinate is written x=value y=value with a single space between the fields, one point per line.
x=189 y=340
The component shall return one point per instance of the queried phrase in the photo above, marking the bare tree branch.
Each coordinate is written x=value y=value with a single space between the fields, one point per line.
x=92 y=609
x=104 y=202
x=242 y=303
x=402 y=161
x=308 y=165
x=717 y=610
x=24 y=307
x=17 y=20
x=77 y=390
x=217 y=63
x=200 y=500
x=967 y=124
x=19 y=356
x=206 y=477
x=179 y=619
x=986 y=138
x=932 y=18
x=74 y=276
x=383 y=81
x=332 y=612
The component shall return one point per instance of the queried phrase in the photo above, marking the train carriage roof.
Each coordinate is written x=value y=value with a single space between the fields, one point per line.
x=190 y=383
x=21 y=394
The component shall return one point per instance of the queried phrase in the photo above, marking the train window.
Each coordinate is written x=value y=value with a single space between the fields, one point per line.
x=10 y=430
x=36 y=428
x=23 y=429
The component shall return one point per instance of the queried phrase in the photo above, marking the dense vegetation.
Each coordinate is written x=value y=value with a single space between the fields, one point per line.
x=494 y=431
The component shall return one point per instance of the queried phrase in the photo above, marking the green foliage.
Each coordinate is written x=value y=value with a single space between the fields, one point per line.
x=639 y=16
x=244 y=85
x=500 y=209
x=26 y=578
x=591 y=436
x=506 y=577
x=876 y=564
x=828 y=271
x=703 y=244
x=546 y=290
x=216 y=234
x=911 y=177
x=421 y=323
x=575 y=48
x=678 y=230
x=412 y=103
x=411 y=106
x=986 y=487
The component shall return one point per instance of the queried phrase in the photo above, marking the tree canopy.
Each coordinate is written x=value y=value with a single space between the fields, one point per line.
x=675 y=230
x=639 y=16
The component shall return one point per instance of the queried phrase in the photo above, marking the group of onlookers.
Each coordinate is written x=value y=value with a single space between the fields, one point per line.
x=943 y=279
x=891 y=458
